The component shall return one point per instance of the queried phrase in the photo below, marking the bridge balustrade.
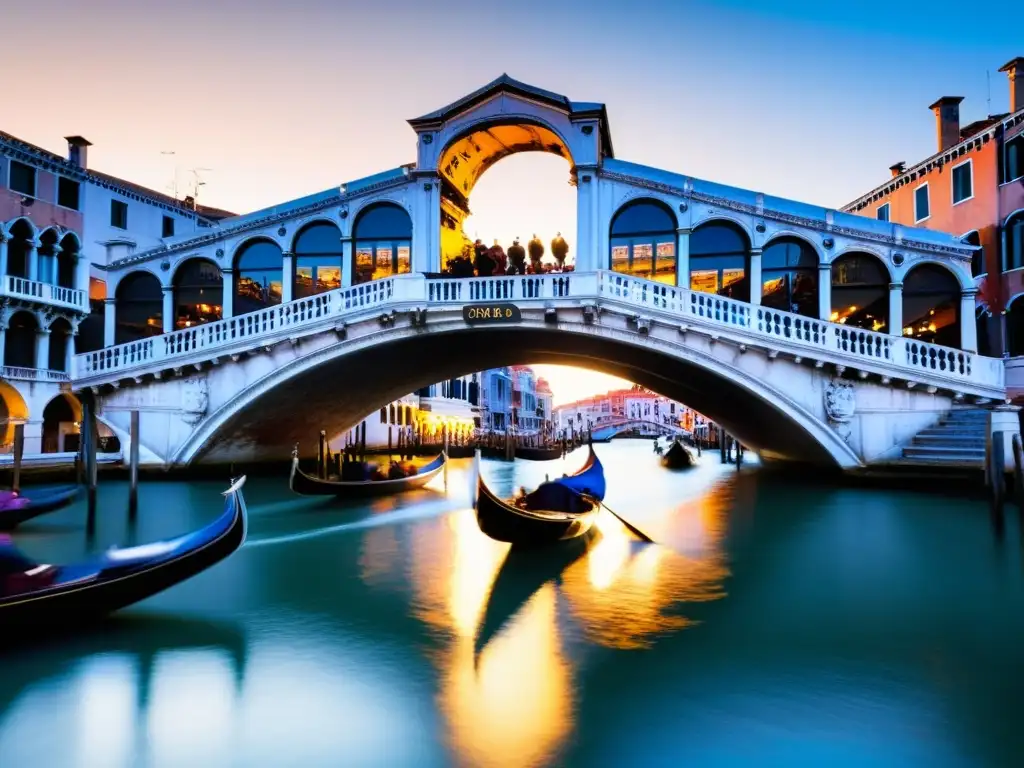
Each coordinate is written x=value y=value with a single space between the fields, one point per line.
x=707 y=313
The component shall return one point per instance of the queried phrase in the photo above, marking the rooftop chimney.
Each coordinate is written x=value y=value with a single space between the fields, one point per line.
x=78 y=151
x=947 y=120
x=898 y=168
x=1015 y=74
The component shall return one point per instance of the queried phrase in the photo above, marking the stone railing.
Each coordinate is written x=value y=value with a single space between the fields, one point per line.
x=45 y=293
x=707 y=313
x=17 y=373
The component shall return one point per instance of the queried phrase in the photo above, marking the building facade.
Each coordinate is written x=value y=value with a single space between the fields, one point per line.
x=973 y=187
x=636 y=404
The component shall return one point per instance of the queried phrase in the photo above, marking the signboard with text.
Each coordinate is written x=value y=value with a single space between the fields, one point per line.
x=480 y=314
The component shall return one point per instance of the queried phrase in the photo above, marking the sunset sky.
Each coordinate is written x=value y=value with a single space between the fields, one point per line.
x=802 y=99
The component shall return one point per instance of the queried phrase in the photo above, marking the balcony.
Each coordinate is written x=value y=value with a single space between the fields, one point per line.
x=43 y=293
x=14 y=373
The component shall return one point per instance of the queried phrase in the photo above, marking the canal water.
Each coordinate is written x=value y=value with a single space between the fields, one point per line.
x=773 y=624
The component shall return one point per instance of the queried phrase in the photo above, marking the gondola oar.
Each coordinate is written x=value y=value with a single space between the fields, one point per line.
x=636 y=531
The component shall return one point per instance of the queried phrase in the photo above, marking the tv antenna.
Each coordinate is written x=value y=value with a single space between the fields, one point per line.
x=988 y=92
x=197 y=181
x=173 y=186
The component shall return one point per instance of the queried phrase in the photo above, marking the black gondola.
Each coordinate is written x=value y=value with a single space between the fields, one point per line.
x=304 y=485
x=557 y=510
x=539 y=454
x=678 y=456
x=34 y=502
x=37 y=595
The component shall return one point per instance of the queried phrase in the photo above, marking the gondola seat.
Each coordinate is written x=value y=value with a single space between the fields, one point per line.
x=555 y=497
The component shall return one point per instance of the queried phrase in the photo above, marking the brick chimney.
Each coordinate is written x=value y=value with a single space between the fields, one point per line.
x=1015 y=74
x=947 y=120
x=898 y=168
x=78 y=151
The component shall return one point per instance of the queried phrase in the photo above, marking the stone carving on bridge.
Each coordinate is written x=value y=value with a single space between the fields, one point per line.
x=840 y=405
x=195 y=399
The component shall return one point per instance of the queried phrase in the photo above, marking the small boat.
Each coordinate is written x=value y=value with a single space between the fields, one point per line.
x=16 y=508
x=38 y=595
x=539 y=454
x=304 y=485
x=557 y=510
x=678 y=456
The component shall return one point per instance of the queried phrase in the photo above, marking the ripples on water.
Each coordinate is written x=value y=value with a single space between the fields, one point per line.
x=773 y=624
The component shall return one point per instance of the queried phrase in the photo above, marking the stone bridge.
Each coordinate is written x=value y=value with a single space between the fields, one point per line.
x=246 y=388
x=611 y=428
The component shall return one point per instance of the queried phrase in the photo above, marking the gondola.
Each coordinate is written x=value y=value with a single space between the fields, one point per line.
x=34 y=502
x=539 y=454
x=34 y=595
x=557 y=510
x=678 y=456
x=304 y=485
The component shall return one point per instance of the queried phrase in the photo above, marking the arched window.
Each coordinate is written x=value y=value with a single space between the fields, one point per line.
x=47 y=256
x=317 y=259
x=1015 y=326
x=198 y=293
x=67 y=261
x=982 y=322
x=643 y=241
x=60 y=333
x=382 y=244
x=789 y=275
x=17 y=248
x=1014 y=234
x=978 y=259
x=258 y=276
x=720 y=260
x=58 y=421
x=860 y=292
x=20 y=344
x=139 y=305
x=931 y=305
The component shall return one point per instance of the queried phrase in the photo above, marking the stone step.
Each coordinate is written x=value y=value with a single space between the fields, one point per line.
x=949 y=439
x=934 y=451
x=953 y=417
x=973 y=434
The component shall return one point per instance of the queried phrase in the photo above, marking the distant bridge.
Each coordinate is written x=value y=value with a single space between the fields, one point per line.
x=648 y=427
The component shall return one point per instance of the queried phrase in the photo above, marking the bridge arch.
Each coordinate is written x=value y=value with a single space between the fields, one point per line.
x=292 y=401
x=258 y=275
x=931 y=304
x=198 y=293
x=860 y=290
x=720 y=258
x=139 y=306
x=642 y=240
x=382 y=235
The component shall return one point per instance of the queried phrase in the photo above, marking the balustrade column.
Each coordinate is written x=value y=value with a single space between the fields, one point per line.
x=755 y=276
x=683 y=257
x=168 y=309
x=109 y=321
x=824 y=292
x=968 y=326
x=43 y=349
x=49 y=275
x=3 y=338
x=32 y=259
x=288 y=276
x=346 y=262
x=896 y=309
x=3 y=261
x=227 y=305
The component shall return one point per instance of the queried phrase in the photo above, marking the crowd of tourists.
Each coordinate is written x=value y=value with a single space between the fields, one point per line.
x=483 y=261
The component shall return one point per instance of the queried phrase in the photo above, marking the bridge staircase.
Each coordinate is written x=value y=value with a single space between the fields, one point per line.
x=958 y=439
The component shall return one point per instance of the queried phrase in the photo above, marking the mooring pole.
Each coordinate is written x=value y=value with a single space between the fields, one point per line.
x=88 y=432
x=446 y=458
x=19 y=449
x=322 y=456
x=362 y=441
x=133 y=468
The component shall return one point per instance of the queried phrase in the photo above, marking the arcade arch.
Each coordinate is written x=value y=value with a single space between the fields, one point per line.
x=931 y=305
x=860 y=292
x=259 y=276
x=13 y=411
x=642 y=237
x=61 y=418
x=198 y=293
x=139 y=302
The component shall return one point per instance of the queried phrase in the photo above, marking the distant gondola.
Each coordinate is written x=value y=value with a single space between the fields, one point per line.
x=678 y=456
x=304 y=485
x=557 y=510
x=33 y=502
x=539 y=454
x=37 y=595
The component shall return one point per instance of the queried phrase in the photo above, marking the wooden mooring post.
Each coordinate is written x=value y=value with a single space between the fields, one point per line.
x=19 y=450
x=133 y=468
